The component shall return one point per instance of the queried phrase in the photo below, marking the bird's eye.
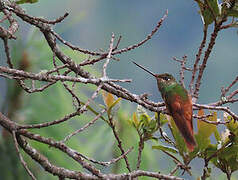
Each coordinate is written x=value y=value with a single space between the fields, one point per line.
x=166 y=78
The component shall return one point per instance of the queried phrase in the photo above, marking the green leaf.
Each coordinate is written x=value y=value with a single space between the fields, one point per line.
x=228 y=158
x=153 y=125
x=108 y=98
x=230 y=11
x=93 y=111
x=217 y=135
x=229 y=152
x=110 y=102
x=208 y=15
x=163 y=119
x=165 y=148
x=232 y=125
x=113 y=104
x=202 y=142
x=26 y=1
x=135 y=121
x=205 y=130
x=211 y=149
x=145 y=118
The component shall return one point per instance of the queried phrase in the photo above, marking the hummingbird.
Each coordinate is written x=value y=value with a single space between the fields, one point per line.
x=178 y=103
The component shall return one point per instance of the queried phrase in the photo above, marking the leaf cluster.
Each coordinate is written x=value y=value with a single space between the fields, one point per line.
x=223 y=153
x=213 y=11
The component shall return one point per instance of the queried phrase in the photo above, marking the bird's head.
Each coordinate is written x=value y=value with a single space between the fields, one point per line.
x=164 y=80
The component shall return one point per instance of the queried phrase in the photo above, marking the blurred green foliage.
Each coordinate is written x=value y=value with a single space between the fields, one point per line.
x=54 y=103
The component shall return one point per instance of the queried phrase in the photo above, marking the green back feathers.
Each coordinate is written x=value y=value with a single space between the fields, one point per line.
x=177 y=89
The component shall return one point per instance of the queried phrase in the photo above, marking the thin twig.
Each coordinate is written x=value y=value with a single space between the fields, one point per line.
x=145 y=40
x=47 y=124
x=12 y=29
x=108 y=163
x=84 y=127
x=221 y=102
x=119 y=143
x=57 y=68
x=92 y=61
x=224 y=91
x=7 y=52
x=20 y=156
x=42 y=76
x=198 y=57
x=118 y=42
x=95 y=94
x=219 y=108
x=179 y=163
x=182 y=69
x=58 y=20
x=205 y=59
x=48 y=166
x=165 y=137
x=232 y=94
x=104 y=73
x=174 y=170
x=73 y=47
x=140 y=149
x=74 y=96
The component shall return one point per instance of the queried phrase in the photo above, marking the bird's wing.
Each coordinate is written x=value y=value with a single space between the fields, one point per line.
x=181 y=111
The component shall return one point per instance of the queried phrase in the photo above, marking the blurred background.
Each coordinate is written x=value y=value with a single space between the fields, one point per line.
x=89 y=25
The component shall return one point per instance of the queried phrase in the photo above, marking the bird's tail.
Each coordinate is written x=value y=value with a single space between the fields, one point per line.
x=191 y=143
x=186 y=129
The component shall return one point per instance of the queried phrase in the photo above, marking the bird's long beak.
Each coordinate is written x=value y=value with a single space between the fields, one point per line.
x=153 y=74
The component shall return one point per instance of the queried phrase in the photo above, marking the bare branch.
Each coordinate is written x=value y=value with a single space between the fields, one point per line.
x=219 y=108
x=47 y=124
x=7 y=52
x=92 y=61
x=108 y=163
x=139 y=173
x=182 y=69
x=145 y=40
x=8 y=33
x=43 y=76
x=198 y=57
x=179 y=163
x=140 y=149
x=85 y=51
x=118 y=42
x=232 y=94
x=206 y=56
x=104 y=73
x=20 y=156
x=84 y=127
x=119 y=143
x=224 y=91
x=45 y=163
